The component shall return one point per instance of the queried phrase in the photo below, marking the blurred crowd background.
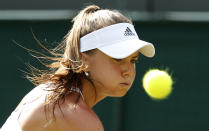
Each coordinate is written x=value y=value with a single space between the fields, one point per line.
x=179 y=29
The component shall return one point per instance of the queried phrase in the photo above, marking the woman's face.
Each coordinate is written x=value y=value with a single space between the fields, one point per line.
x=112 y=77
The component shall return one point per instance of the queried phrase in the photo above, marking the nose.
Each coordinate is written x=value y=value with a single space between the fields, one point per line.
x=128 y=69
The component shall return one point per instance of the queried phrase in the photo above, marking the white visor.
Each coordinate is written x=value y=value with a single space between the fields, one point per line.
x=117 y=41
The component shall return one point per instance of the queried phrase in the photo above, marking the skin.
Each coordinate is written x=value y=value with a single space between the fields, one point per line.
x=111 y=77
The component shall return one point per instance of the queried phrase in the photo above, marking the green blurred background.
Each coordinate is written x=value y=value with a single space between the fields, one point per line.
x=182 y=45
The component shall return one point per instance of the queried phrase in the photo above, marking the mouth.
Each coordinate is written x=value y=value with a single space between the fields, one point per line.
x=124 y=84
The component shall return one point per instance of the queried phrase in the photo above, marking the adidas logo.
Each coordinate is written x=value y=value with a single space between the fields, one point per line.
x=128 y=32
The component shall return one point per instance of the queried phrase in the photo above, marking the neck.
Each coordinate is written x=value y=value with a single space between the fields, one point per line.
x=91 y=95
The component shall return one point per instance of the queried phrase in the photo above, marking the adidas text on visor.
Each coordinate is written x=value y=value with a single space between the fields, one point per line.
x=117 y=41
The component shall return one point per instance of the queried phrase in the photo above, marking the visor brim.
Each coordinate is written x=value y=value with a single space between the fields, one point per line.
x=124 y=49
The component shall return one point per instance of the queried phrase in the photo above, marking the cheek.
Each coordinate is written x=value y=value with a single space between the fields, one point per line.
x=115 y=69
x=111 y=71
x=105 y=71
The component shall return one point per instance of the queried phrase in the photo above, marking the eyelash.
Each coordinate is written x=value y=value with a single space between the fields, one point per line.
x=132 y=61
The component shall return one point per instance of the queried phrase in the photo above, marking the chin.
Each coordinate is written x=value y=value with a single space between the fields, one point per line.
x=120 y=93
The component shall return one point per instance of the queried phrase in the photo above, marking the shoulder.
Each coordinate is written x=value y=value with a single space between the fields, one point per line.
x=31 y=109
x=77 y=115
x=69 y=114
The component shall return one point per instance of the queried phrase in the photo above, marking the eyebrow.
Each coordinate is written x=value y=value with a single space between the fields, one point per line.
x=136 y=56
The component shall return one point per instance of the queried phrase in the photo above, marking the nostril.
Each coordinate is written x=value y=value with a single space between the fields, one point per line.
x=126 y=74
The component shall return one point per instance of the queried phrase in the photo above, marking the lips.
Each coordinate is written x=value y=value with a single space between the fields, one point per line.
x=125 y=84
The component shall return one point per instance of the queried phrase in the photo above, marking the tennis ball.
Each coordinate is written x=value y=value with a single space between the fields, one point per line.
x=157 y=83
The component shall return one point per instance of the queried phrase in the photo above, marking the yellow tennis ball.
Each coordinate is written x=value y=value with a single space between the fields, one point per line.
x=157 y=84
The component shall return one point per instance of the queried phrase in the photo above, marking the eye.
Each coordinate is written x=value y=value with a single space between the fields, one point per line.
x=118 y=60
x=134 y=61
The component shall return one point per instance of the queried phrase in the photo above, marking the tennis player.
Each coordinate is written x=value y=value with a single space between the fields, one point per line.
x=96 y=59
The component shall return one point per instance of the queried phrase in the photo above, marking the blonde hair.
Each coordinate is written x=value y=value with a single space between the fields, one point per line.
x=67 y=69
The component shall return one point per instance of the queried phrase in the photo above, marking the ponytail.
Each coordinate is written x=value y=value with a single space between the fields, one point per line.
x=68 y=69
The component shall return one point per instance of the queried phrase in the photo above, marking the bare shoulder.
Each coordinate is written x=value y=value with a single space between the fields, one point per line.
x=77 y=116
x=70 y=115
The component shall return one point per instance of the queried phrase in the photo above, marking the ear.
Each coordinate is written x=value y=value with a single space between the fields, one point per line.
x=84 y=57
x=85 y=60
